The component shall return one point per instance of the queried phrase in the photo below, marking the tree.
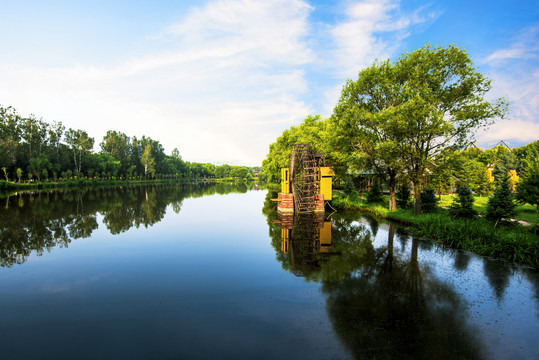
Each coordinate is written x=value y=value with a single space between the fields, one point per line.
x=9 y=135
x=428 y=200
x=462 y=205
x=80 y=144
x=501 y=204
x=403 y=196
x=513 y=179
x=408 y=113
x=442 y=98
x=528 y=186
x=311 y=131
x=486 y=181
x=40 y=166
x=117 y=145
x=56 y=131
x=148 y=161
x=375 y=195
x=364 y=124
x=508 y=161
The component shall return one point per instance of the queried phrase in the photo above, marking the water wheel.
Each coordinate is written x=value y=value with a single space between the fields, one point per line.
x=304 y=177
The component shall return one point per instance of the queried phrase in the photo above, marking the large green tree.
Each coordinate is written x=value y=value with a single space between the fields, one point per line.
x=443 y=102
x=365 y=126
x=430 y=101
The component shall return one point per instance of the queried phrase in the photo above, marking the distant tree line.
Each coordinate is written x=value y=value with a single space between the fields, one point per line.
x=32 y=149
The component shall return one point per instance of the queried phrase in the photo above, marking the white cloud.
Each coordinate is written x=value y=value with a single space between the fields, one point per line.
x=226 y=83
x=515 y=77
x=524 y=47
x=373 y=29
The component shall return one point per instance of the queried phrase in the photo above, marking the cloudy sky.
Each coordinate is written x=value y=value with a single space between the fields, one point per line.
x=221 y=79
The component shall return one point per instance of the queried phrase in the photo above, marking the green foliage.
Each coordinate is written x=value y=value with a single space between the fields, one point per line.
x=528 y=186
x=311 y=131
x=404 y=115
x=429 y=200
x=462 y=206
x=348 y=185
x=148 y=161
x=501 y=205
x=514 y=242
x=403 y=196
x=508 y=161
x=375 y=195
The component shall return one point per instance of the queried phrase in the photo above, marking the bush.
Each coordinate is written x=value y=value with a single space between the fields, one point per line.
x=348 y=185
x=403 y=196
x=501 y=204
x=462 y=206
x=429 y=200
x=375 y=195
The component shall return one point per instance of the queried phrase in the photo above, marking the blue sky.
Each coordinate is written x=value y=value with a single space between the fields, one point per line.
x=220 y=80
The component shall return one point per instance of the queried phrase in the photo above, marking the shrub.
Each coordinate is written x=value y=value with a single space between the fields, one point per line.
x=462 y=206
x=403 y=196
x=429 y=200
x=348 y=185
x=375 y=195
x=501 y=204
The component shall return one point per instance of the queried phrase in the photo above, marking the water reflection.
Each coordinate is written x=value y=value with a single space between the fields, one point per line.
x=382 y=303
x=385 y=305
x=306 y=239
x=39 y=221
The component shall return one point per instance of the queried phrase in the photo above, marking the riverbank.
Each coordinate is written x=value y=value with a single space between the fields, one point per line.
x=9 y=185
x=511 y=240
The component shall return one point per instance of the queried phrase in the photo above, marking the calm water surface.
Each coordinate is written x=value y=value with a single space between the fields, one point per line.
x=214 y=272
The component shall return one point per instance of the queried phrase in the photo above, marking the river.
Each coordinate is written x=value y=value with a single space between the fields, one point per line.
x=212 y=271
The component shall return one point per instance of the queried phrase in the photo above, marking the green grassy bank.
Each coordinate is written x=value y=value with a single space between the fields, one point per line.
x=511 y=240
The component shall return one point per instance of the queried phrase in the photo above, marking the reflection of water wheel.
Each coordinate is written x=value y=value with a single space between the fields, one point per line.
x=304 y=177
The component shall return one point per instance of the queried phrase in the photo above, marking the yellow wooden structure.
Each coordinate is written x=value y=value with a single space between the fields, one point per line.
x=325 y=186
x=325 y=237
x=285 y=180
x=285 y=240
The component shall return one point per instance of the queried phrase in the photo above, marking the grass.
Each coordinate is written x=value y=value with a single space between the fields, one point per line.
x=510 y=241
x=525 y=212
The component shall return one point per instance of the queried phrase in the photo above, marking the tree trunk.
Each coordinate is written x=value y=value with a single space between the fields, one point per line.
x=417 y=196
x=392 y=184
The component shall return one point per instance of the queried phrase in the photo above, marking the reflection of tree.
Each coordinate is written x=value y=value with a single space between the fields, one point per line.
x=462 y=260
x=38 y=222
x=386 y=306
x=382 y=304
x=498 y=273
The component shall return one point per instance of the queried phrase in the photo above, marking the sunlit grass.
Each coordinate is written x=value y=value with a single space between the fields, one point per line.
x=510 y=241
x=525 y=212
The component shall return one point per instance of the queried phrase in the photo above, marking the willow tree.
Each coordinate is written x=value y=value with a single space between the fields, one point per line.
x=408 y=113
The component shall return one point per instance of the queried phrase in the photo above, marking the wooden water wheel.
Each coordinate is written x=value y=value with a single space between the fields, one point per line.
x=304 y=177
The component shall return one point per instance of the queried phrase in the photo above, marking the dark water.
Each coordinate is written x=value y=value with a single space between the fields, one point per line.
x=213 y=272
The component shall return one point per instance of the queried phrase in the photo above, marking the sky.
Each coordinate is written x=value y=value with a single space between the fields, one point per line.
x=221 y=79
